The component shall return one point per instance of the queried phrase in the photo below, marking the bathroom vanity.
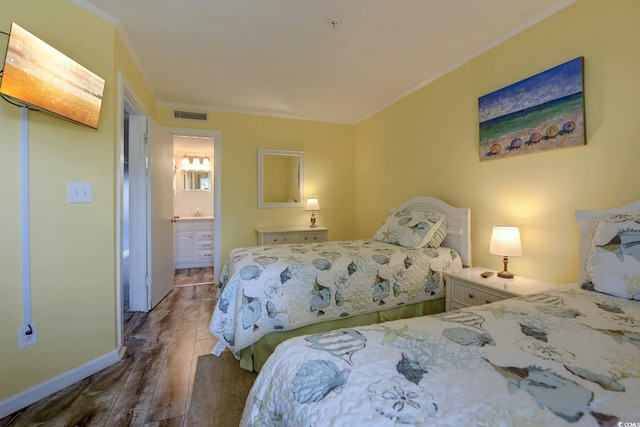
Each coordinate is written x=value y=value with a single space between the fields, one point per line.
x=194 y=242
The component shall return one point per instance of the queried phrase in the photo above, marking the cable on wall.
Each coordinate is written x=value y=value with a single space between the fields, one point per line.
x=24 y=207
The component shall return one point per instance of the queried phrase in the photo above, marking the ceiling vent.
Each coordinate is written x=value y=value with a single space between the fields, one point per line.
x=190 y=115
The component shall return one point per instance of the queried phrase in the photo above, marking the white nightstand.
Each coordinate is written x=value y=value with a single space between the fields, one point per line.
x=467 y=288
x=284 y=235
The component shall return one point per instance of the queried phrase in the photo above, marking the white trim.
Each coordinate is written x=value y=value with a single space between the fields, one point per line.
x=119 y=210
x=254 y=112
x=124 y=37
x=128 y=100
x=283 y=153
x=95 y=10
x=53 y=385
x=138 y=216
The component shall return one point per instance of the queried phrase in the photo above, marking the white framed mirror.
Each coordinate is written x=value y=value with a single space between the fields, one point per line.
x=280 y=178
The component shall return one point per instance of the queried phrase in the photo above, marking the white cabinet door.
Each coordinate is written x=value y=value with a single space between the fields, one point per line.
x=184 y=246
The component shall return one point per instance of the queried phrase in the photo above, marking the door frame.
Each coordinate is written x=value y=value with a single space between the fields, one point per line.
x=127 y=99
x=127 y=103
x=216 y=135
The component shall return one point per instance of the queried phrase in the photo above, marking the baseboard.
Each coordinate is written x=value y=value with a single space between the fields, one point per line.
x=47 y=388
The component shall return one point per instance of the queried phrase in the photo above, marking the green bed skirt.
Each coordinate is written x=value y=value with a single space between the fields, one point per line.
x=253 y=361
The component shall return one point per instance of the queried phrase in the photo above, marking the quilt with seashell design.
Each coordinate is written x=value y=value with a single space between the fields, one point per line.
x=565 y=357
x=275 y=288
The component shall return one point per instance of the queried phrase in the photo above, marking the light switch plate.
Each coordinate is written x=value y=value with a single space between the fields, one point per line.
x=79 y=192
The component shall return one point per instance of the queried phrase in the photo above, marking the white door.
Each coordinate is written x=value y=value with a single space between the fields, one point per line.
x=151 y=200
x=160 y=148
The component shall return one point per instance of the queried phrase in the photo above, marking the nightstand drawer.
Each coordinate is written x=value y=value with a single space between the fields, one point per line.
x=284 y=235
x=278 y=238
x=310 y=236
x=468 y=296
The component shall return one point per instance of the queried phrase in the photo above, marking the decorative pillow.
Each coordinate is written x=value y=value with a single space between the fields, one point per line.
x=413 y=230
x=612 y=262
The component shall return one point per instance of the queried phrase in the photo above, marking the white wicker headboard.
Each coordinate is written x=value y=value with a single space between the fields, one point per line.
x=587 y=220
x=458 y=223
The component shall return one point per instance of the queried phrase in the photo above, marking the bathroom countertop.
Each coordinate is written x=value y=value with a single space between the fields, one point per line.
x=195 y=218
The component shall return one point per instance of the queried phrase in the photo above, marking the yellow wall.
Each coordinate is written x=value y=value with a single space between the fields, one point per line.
x=72 y=245
x=427 y=143
x=328 y=172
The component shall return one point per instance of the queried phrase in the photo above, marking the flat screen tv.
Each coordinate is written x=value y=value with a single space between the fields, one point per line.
x=43 y=78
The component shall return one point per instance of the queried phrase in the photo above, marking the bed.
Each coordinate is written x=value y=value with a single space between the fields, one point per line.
x=567 y=356
x=271 y=293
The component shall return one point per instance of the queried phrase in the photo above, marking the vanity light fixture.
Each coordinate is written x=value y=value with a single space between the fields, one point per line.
x=185 y=161
x=206 y=162
x=505 y=241
x=312 y=205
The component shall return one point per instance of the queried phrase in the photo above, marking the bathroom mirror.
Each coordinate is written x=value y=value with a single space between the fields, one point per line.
x=280 y=178
x=196 y=180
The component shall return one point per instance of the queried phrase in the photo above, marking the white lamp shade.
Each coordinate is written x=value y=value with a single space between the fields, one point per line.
x=185 y=160
x=505 y=241
x=312 y=205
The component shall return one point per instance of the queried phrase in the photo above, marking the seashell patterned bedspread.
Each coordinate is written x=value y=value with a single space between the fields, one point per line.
x=266 y=289
x=565 y=357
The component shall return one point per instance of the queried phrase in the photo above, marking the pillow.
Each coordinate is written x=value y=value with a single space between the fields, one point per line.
x=413 y=230
x=612 y=262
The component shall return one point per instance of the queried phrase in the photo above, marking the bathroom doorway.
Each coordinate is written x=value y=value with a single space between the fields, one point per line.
x=193 y=159
x=197 y=196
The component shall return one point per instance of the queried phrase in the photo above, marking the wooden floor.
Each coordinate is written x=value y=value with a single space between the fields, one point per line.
x=152 y=385
x=193 y=276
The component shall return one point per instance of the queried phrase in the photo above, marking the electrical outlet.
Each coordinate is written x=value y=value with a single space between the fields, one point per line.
x=27 y=335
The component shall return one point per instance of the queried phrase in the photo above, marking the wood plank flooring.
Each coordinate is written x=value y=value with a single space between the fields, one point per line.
x=193 y=276
x=152 y=385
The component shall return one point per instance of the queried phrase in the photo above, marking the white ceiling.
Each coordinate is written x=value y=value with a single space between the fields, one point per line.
x=283 y=58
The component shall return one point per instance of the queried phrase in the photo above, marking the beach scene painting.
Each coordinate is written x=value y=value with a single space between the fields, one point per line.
x=543 y=112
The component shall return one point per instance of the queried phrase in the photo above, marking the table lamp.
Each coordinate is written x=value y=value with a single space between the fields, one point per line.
x=312 y=205
x=505 y=241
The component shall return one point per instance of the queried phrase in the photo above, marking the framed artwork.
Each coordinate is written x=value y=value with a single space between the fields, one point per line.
x=543 y=112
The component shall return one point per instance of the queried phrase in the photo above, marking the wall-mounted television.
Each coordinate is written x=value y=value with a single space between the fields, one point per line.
x=43 y=78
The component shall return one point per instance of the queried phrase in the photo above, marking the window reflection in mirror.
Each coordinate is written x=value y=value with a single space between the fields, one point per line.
x=197 y=180
x=280 y=178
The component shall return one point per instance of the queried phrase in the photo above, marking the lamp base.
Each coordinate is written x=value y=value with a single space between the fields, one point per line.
x=313 y=221
x=505 y=275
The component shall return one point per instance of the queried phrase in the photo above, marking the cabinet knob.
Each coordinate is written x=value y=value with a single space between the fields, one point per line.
x=470 y=296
